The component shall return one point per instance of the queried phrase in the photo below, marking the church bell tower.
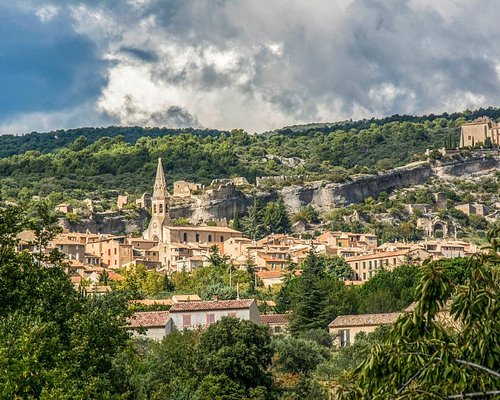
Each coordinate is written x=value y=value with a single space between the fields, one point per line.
x=159 y=204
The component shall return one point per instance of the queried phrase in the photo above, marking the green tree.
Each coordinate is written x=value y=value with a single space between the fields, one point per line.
x=275 y=217
x=240 y=350
x=298 y=355
x=308 y=311
x=429 y=355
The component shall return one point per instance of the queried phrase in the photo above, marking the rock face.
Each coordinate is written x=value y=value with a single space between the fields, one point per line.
x=332 y=195
x=110 y=222
x=219 y=203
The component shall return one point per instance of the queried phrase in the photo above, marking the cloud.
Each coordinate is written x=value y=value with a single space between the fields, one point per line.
x=45 y=66
x=258 y=64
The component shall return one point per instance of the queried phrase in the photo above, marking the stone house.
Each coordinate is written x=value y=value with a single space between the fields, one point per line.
x=114 y=251
x=277 y=323
x=473 y=209
x=344 y=328
x=479 y=131
x=366 y=266
x=348 y=239
x=149 y=324
x=192 y=315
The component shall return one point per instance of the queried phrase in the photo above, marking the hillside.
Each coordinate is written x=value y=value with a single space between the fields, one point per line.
x=100 y=162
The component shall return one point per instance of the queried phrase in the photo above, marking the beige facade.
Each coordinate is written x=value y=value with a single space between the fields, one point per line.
x=366 y=266
x=114 y=252
x=480 y=131
x=348 y=239
x=344 y=328
x=198 y=234
x=473 y=209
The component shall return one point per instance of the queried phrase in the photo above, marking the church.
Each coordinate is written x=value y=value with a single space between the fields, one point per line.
x=160 y=228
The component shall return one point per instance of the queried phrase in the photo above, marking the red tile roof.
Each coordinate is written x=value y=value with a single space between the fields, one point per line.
x=211 y=305
x=364 y=320
x=147 y=319
x=274 y=319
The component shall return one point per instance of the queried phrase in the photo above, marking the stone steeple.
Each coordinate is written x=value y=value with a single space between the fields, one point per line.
x=160 y=188
x=159 y=207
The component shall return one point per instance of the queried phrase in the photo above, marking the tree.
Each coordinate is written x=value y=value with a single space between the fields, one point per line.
x=53 y=342
x=298 y=355
x=447 y=347
x=308 y=312
x=337 y=267
x=275 y=217
x=252 y=223
x=236 y=221
x=240 y=350
x=389 y=291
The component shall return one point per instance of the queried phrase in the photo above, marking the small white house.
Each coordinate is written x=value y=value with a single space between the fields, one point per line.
x=190 y=315
x=152 y=324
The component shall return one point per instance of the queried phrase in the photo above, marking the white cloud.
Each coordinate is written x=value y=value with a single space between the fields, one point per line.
x=260 y=65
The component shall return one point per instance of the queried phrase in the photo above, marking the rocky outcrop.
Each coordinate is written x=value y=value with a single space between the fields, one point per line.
x=326 y=196
x=219 y=203
x=127 y=222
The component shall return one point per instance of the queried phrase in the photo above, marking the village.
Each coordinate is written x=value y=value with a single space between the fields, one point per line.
x=168 y=248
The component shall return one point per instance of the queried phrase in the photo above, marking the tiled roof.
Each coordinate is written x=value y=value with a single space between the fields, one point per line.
x=274 y=319
x=364 y=320
x=270 y=274
x=148 y=302
x=147 y=319
x=178 y=298
x=211 y=305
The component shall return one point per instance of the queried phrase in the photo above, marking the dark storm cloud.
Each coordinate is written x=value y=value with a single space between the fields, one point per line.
x=45 y=66
x=254 y=64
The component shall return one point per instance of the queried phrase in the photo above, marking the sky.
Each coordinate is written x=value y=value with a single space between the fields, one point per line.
x=256 y=65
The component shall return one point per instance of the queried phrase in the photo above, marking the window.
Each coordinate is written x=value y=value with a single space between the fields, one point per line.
x=277 y=329
x=364 y=276
x=116 y=250
x=185 y=237
x=210 y=319
x=109 y=252
x=197 y=238
x=375 y=263
x=364 y=265
x=186 y=320
x=394 y=261
x=344 y=337
x=356 y=265
x=370 y=265
x=222 y=239
x=161 y=208
x=154 y=208
x=231 y=314
x=209 y=238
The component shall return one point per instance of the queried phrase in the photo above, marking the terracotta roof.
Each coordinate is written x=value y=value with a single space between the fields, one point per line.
x=270 y=274
x=379 y=255
x=114 y=276
x=179 y=298
x=212 y=305
x=364 y=320
x=148 y=302
x=145 y=319
x=274 y=319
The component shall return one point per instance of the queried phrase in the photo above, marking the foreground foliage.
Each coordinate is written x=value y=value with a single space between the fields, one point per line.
x=449 y=346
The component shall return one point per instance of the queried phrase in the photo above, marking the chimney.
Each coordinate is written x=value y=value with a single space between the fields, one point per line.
x=216 y=297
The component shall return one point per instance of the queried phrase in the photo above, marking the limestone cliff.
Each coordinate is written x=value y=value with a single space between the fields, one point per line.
x=219 y=202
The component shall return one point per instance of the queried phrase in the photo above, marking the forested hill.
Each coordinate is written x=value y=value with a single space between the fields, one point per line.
x=83 y=161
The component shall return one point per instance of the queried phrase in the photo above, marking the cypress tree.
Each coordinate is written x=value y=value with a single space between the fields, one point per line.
x=309 y=309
